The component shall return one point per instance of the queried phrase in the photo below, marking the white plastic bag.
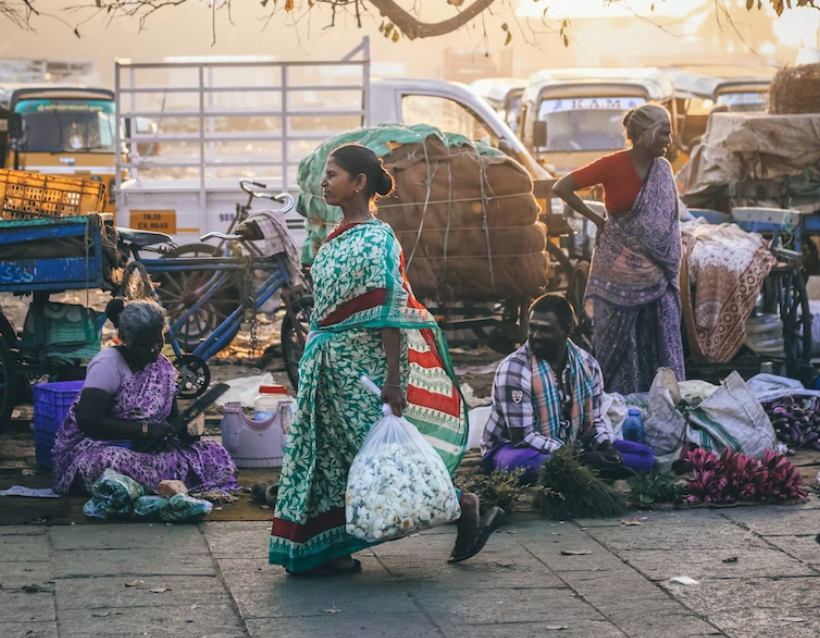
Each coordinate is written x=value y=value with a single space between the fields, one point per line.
x=398 y=484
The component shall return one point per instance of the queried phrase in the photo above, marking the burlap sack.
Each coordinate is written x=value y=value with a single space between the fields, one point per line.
x=457 y=278
x=467 y=223
x=473 y=242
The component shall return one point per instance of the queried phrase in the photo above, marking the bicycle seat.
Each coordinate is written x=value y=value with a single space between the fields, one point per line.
x=143 y=238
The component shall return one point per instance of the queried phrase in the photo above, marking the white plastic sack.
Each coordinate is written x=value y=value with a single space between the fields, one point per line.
x=613 y=413
x=478 y=422
x=664 y=425
x=732 y=417
x=397 y=484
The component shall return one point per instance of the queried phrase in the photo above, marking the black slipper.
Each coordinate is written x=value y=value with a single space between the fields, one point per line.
x=478 y=537
x=328 y=570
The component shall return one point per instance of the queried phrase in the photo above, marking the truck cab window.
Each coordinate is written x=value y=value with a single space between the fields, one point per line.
x=447 y=115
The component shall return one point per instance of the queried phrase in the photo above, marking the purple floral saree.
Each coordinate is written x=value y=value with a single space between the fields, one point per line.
x=633 y=289
x=147 y=396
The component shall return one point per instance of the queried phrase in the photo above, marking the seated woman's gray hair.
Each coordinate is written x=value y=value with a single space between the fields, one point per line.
x=139 y=318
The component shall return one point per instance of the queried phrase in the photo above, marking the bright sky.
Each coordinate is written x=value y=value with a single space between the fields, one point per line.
x=560 y=9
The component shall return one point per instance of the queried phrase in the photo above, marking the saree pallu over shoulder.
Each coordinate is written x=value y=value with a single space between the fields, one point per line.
x=638 y=257
x=360 y=288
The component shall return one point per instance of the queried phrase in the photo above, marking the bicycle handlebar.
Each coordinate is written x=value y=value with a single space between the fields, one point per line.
x=282 y=198
x=243 y=182
x=218 y=235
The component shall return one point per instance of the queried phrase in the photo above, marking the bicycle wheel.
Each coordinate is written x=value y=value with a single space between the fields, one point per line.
x=293 y=337
x=180 y=291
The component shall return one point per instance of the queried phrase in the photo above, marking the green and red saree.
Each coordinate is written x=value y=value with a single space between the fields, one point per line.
x=360 y=287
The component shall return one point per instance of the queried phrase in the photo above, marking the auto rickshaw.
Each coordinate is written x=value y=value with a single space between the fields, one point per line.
x=703 y=90
x=574 y=116
x=504 y=95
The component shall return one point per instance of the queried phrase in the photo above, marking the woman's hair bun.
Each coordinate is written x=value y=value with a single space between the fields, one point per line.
x=628 y=117
x=114 y=309
x=384 y=183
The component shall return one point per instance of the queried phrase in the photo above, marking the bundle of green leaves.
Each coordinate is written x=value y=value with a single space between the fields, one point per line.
x=567 y=488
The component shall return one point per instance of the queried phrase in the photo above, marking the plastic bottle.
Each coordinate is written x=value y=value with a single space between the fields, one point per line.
x=266 y=405
x=633 y=426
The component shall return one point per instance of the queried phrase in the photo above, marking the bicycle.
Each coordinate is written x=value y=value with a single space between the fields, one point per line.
x=182 y=290
x=203 y=302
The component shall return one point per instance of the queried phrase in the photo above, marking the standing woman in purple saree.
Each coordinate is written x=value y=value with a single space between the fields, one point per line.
x=633 y=289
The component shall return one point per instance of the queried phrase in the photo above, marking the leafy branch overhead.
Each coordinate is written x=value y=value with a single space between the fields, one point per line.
x=397 y=20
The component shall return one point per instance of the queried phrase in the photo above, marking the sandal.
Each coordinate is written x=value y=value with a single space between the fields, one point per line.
x=328 y=570
x=475 y=539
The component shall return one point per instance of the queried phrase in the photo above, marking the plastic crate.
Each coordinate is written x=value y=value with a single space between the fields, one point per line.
x=26 y=195
x=51 y=404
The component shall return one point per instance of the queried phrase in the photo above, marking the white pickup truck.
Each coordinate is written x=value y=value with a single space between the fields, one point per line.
x=222 y=121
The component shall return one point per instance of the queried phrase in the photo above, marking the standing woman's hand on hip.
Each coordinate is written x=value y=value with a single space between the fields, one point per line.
x=393 y=395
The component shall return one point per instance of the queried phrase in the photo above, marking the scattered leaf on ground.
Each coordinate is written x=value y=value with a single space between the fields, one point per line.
x=133 y=583
x=793 y=619
x=575 y=552
x=159 y=590
x=684 y=580
x=32 y=589
x=101 y=614
x=333 y=611
x=731 y=559
x=631 y=523
x=264 y=507
x=557 y=627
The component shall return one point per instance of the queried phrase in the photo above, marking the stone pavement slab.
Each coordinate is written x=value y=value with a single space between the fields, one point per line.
x=217 y=582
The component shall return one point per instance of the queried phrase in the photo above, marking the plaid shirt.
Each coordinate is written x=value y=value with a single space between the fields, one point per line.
x=512 y=407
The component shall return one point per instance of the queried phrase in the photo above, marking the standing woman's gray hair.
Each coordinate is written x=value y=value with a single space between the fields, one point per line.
x=136 y=319
x=645 y=123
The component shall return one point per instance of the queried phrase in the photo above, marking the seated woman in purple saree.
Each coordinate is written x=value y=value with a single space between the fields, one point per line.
x=633 y=288
x=125 y=406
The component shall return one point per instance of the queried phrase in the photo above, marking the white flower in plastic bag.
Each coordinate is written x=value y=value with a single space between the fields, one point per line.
x=398 y=484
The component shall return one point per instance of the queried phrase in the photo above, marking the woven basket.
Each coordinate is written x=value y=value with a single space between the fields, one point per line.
x=795 y=90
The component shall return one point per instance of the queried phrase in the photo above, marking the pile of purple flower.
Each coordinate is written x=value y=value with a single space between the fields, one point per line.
x=737 y=477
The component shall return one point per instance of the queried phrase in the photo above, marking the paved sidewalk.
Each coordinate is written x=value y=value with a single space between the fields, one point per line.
x=757 y=569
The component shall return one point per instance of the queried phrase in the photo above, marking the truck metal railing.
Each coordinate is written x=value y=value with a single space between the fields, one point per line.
x=181 y=125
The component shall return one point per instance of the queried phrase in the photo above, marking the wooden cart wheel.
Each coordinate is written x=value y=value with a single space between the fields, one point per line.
x=8 y=372
x=582 y=333
x=795 y=314
x=178 y=292
x=294 y=336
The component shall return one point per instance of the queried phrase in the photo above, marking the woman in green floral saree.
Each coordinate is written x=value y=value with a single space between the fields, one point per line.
x=365 y=322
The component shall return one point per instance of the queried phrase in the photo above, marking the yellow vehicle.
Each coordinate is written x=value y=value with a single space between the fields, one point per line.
x=62 y=130
x=505 y=96
x=573 y=116
x=701 y=90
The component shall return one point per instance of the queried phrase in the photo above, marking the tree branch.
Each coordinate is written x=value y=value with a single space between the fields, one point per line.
x=412 y=28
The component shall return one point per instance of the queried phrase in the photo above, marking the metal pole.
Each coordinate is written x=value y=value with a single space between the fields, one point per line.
x=120 y=197
x=285 y=127
x=366 y=80
x=202 y=195
x=211 y=147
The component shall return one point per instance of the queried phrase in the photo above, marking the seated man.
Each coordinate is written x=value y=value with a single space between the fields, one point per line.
x=547 y=394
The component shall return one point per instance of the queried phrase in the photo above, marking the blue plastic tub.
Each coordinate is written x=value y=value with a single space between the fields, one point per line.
x=51 y=404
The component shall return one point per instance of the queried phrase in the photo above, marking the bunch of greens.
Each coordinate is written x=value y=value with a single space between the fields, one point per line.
x=656 y=488
x=500 y=488
x=567 y=488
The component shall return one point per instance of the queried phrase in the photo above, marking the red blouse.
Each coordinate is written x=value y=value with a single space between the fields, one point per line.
x=617 y=175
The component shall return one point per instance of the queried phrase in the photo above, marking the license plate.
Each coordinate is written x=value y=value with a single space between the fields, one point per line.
x=160 y=221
